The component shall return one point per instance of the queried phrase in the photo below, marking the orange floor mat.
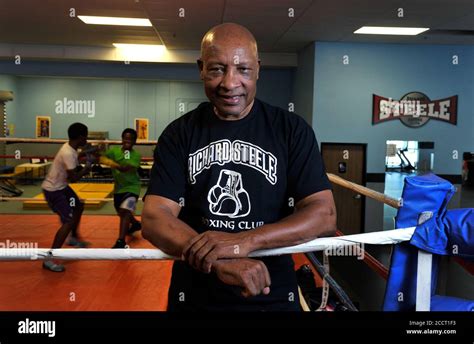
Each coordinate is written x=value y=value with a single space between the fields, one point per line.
x=85 y=285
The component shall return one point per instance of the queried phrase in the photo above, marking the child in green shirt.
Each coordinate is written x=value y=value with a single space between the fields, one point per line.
x=127 y=184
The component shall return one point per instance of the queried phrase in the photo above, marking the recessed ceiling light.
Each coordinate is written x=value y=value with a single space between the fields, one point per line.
x=386 y=30
x=95 y=20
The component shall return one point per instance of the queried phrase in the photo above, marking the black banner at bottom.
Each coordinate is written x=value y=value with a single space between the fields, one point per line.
x=60 y=327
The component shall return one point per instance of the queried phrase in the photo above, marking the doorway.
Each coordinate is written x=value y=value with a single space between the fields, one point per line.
x=402 y=156
x=348 y=161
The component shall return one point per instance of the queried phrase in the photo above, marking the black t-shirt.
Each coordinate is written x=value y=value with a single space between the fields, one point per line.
x=233 y=176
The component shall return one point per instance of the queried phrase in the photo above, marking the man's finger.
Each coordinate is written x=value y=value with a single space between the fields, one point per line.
x=189 y=245
x=263 y=277
x=193 y=250
x=201 y=255
x=250 y=289
x=208 y=260
x=259 y=282
x=268 y=280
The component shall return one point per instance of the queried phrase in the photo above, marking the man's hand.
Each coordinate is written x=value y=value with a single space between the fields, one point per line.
x=88 y=149
x=101 y=147
x=204 y=249
x=249 y=274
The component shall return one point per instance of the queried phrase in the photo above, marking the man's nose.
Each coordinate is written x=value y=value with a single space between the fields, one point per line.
x=230 y=80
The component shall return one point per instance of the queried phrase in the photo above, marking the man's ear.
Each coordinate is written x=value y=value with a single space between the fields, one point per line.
x=258 y=68
x=201 y=67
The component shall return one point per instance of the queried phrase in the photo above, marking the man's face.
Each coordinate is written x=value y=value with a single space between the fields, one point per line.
x=83 y=140
x=230 y=70
x=127 y=141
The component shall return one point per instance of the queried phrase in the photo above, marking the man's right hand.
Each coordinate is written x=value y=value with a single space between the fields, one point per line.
x=249 y=274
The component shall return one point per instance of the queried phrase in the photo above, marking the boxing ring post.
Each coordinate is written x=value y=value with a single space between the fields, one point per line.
x=423 y=281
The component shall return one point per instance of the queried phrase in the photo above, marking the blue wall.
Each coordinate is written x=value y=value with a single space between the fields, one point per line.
x=121 y=93
x=343 y=96
x=304 y=84
x=117 y=103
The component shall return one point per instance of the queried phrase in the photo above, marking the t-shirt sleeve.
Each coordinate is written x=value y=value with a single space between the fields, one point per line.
x=70 y=161
x=168 y=174
x=306 y=172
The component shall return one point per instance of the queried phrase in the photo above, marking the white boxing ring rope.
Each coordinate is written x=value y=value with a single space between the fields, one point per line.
x=388 y=237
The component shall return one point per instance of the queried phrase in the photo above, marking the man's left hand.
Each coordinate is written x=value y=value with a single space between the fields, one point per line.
x=203 y=250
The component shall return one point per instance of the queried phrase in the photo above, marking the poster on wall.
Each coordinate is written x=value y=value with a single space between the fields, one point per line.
x=10 y=130
x=414 y=109
x=141 y=127
x=43 y=127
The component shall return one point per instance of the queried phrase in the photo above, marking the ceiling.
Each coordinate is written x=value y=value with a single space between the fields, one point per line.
x=49 y=21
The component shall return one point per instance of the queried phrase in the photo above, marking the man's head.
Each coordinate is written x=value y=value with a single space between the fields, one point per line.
x=77 y=132
x=129 y=138
x=229 y=67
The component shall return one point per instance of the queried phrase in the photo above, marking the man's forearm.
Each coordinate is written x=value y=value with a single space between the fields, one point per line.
x=306 y=224
x=78 y=175
x=83 y=172
x=166 y=232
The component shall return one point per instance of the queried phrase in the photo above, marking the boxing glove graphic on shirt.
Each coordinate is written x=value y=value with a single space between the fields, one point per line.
x=228 y=197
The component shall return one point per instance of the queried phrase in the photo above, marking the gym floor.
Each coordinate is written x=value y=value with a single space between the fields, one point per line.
x=85 y=285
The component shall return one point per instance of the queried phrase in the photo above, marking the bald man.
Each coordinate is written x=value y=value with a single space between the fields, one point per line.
x=231 y=177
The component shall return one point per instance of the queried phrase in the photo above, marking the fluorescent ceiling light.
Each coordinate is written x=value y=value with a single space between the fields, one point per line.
x=115 y=21
x=386 y=30
x=127 y=46
x=140 y=52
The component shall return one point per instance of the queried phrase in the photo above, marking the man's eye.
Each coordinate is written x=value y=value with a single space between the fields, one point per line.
x=216 y=69
x=245 y=71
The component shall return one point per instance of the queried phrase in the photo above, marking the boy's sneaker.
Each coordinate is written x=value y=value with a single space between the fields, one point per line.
x=134 y=228
x=72 y=241
x=120 y=244
x=52 y=266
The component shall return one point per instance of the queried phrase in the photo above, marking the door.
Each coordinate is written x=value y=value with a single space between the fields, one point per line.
x=348 y=161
